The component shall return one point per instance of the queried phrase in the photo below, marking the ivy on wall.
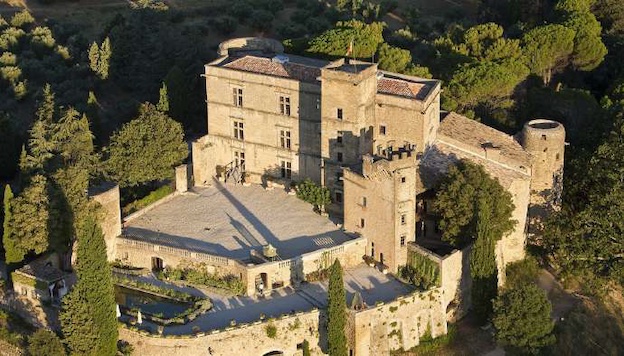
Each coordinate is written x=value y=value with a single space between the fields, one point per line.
x=28 y=281
x=420 y=271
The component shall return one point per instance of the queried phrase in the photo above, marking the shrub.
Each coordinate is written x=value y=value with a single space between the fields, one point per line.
x=261 y=20
x=421 y=272
x=44 y=342
x=271 y=331
x=151 y=198
x=124 y=348
x=22 y=18
x=521 y=272
x=226 y=24
x=8 y=59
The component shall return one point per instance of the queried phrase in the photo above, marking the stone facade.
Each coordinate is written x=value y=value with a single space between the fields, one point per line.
x=373 y=330
x=107 y=196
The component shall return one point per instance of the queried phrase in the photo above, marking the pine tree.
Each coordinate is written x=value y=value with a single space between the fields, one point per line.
x=336 y=312
x=46 y=109
x=88 y=317
x=163 y=101
x=104 y=61
x=28 y=224
x=94 y=57
x=7 y=233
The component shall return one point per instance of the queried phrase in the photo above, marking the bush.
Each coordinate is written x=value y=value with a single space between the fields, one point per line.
x=44 y=342
x=22 y=18
x=124 y=348
x=521 y=272
x=198 y=275
x=151 y=198
x=271 y=331
x=522 y=319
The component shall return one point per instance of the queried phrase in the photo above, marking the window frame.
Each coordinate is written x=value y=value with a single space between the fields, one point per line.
x=237 y=96
x=285 y=139
x=239 y=129
x=284 y=105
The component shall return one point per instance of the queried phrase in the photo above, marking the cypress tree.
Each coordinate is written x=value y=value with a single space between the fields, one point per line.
x=163 y=101
x=88 y=317
x=336 y=312
x=7 y=242
x=483 y=268
x=94 y=57
x=104 y=60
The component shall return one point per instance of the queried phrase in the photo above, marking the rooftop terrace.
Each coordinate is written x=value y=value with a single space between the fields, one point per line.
x=231 y=220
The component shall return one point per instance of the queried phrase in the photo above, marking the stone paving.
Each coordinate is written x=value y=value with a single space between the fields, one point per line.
x=230 y=220
x=369 y=282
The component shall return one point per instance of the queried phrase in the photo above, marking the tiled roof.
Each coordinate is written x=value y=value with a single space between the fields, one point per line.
x=402 y=88
x=266 y=66
x=439 y=157
x=458 y=129
x=42 y=270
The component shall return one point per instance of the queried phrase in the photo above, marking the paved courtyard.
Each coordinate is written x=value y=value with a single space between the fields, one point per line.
x=230 y=220
x=372 y=285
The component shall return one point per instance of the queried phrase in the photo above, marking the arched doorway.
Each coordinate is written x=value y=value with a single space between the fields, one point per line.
x=157 y=264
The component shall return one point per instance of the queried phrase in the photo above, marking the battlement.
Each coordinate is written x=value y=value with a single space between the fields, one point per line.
x=389 y=161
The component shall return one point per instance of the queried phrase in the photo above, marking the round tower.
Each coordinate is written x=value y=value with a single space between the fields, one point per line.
x=545 y=141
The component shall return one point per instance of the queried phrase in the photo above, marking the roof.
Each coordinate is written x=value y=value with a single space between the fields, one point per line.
x=399 y=87
x=440 y=156
x=43 y=270
x=476 y=136
x=264 y=65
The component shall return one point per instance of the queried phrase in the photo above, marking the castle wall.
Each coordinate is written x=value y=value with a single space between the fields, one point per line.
x=108 y=197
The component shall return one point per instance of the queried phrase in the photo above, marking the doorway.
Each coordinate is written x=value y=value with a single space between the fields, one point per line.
x=157 y=264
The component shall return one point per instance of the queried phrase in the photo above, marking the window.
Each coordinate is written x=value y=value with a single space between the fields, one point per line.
x=339 y=156
x=339 y=137
x=285 y=139
x=382 y=129
x=544 y=137
x=339 y=176
x=373 y=249
x=286 y=169
x=403 y=219
x=362 y=223
x=238 y=130
x=402 y=179
x=363 y=201
x=239 y=159
x=338 y=197
x=237 y=96
x=339 y=114
x=284 y=104
x=24 y=291
x=402 y=240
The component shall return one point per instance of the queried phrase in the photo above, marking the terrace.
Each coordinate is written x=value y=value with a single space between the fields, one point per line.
x=232 y=221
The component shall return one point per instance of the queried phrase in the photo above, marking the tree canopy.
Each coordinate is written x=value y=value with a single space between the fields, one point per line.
x=336 y=42
x=87 y=315
x=146 y=149
x=522 y=319
x=336 y=312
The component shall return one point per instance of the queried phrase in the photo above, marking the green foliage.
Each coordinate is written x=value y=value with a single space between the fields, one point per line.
x=99 y=58
x=271 y=331
x=124 y=348
x=146 y=149
x=393 y=59
x=428 y=345
x=198 y=274
x=163 y=100
x=335 y=42
x=521 y=272
x=8 y=59
x=588 y=236
x=589 y=51
x=21 y=18
x=316 y=195
x=43 y=36
x=261 y=20
x=547 y=49
x=522 y=319
x=150 y=199
x=7 y=233
x=485 y=82
x=28 y=228
x=421 y=271
x=458 y=203
x=574 y=5
x=154 y=289
x=336 y=312
x=45 y=342
x=306 y=348
x=88 y=312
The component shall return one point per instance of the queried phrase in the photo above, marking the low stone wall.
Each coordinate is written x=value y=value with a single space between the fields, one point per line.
x=243 y=339
x=375 y=330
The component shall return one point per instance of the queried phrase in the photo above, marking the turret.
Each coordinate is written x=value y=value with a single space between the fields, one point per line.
x=545 y=141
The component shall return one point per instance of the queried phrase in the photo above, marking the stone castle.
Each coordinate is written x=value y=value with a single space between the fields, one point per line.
x=379 y=142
